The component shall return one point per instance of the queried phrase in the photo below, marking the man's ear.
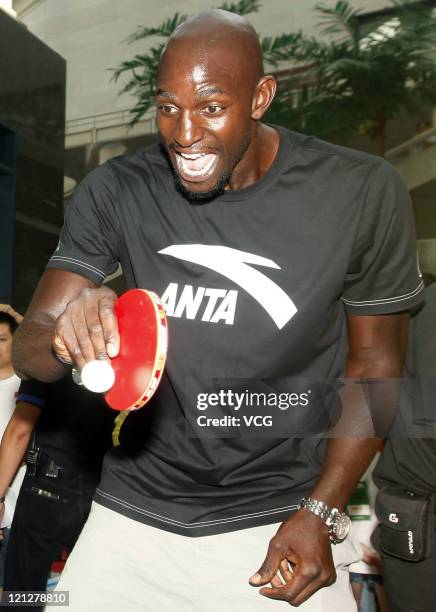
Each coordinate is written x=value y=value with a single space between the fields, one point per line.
x=263 y=96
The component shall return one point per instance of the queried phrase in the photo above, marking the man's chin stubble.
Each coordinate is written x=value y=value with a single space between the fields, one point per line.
x=200 y=197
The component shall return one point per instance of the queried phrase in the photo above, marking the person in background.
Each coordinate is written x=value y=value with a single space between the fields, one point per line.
x=9 y=383
x=66 y=430
x=7 y=308
x=406 y=476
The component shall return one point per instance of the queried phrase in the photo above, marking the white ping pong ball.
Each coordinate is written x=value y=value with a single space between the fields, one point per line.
x=97 y=376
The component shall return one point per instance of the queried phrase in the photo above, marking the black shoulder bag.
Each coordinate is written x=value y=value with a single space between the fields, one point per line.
x=406 y=523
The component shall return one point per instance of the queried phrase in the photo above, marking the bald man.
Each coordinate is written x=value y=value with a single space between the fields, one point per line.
x=281 y=261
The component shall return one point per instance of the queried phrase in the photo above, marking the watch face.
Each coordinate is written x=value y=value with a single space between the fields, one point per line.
x=342 y=527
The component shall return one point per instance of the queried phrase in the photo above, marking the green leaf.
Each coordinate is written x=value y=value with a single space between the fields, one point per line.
x=341 y=19
x=244 y=7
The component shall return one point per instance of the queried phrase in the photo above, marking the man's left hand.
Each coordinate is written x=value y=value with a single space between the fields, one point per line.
x=299 y=560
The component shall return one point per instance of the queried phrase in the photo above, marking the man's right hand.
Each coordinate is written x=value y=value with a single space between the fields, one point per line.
x=87 y=329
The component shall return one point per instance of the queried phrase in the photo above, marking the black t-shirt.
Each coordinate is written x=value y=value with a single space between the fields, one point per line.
x=75 y=425
x=256 y=285
x=409 y=456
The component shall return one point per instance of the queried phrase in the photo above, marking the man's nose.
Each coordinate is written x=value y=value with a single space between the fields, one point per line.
x=188 y=131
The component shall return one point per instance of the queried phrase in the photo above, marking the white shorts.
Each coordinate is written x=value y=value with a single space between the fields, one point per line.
x=121 y=565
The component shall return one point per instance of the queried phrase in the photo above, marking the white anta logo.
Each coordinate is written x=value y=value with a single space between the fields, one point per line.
x=219 y=304
x=233 y=264
x=393 y=517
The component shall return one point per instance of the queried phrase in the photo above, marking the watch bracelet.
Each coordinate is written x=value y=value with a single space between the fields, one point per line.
x=318 y=508
x=328 y=515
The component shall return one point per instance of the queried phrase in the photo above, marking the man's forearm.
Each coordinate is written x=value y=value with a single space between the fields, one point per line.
x=346 y=459
x=371 y=393
x=32 y=349
x=32 y=353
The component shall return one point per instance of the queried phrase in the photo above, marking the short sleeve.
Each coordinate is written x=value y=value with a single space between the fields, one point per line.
x=89 y=240
x=33 y=392
x=383 y=274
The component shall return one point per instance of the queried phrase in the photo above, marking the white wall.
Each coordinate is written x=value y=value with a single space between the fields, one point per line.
x=6 y=5
x=90 y=35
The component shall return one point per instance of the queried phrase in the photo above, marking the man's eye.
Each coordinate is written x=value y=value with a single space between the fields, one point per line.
x=168 y=109
x=213 y=109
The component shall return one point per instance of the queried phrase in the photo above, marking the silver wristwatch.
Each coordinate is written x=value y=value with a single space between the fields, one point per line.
x=338 y=523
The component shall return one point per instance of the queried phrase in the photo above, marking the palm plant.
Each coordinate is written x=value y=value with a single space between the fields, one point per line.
x=357 y=81
x=348 y=81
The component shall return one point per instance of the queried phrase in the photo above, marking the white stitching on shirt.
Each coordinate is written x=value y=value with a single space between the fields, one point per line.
x=79 y=263
x=199 y=523
x=398 y=298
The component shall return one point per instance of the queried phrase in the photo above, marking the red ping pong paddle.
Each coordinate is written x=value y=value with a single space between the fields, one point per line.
x=139 y=366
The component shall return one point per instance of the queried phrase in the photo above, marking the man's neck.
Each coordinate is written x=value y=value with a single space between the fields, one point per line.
x=6 y=372
x=258 y=158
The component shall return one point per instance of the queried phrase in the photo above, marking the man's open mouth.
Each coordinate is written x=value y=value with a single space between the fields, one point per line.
x=195 y=167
